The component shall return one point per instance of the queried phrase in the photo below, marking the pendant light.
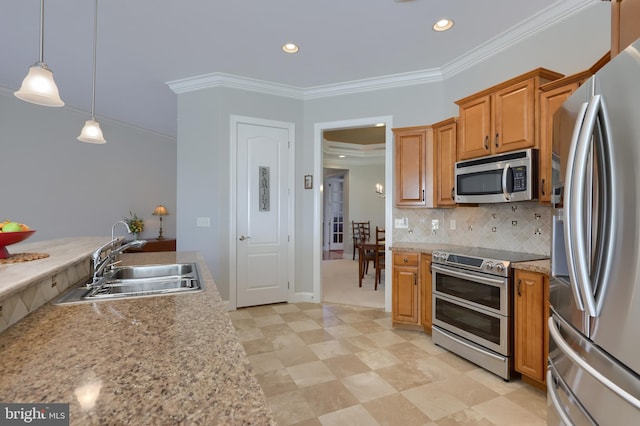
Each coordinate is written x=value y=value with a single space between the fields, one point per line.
x=91 y=132
x=38 y=86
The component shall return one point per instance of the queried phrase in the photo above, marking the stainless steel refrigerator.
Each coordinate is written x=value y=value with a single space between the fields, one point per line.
x=594 y=329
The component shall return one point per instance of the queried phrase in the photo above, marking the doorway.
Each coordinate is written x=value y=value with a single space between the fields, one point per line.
x=334 y=228
x=386 y=178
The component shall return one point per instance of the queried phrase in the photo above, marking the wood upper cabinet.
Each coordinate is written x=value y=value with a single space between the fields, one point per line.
x=411 y=145
x=445 y=141
x=625 y=27
x=405 y=301
x=530 y=329
x=552 y=96
x=425 y=157
x=502 y=118
x=425 y=292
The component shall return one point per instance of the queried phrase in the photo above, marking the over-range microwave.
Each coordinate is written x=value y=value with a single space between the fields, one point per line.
x=502 y=178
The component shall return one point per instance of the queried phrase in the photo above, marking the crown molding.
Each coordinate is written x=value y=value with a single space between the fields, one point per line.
x=552 y=15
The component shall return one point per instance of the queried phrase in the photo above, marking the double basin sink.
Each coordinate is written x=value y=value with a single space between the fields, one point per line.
x=128 y=282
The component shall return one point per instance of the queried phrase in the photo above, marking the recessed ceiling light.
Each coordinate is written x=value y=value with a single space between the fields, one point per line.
x=342 y=156
x=290 y=48
x=443 y=25
x=380 y=124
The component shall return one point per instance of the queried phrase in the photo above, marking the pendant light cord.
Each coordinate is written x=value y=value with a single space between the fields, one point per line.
x=42 y=31
x=95 y=47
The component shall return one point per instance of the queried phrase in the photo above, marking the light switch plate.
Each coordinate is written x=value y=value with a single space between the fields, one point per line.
x=402 y=223
x=203 y=222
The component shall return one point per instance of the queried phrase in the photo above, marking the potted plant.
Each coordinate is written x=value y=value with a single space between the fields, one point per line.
x=136 y=225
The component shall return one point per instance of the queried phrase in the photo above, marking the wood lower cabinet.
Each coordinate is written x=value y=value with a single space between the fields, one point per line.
x=405 y=293
x=531 y=311
x=425 y=292
x=502 y=118
x=625 y=16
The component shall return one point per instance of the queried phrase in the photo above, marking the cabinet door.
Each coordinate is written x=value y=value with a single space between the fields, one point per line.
x=530 y=318
x=410 y=150
x=425 y=292
x=514 y=117
x=625 y=15
x=549 y=103
x=405 y=289
x=475 y=128
x=444 y=138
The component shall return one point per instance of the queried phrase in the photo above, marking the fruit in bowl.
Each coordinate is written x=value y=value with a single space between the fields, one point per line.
x=11 y=233
x=13 y=227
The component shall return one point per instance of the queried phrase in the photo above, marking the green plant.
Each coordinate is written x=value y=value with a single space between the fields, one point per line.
x=136 y=225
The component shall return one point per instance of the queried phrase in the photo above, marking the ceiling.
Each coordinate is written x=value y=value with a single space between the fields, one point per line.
x=144 y=44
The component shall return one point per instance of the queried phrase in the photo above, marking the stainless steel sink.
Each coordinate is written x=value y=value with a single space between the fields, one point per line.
x=128 y=282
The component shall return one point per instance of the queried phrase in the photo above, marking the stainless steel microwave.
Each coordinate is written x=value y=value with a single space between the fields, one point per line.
x=502 y=178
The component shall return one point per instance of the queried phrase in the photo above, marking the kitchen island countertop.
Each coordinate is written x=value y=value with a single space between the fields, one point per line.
x=157 y=360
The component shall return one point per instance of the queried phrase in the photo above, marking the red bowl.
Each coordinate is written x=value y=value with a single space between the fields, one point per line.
x=8 y=238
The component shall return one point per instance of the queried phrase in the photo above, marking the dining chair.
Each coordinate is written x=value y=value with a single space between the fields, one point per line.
x=379 y=254
x=365 y=255
x=356 y=229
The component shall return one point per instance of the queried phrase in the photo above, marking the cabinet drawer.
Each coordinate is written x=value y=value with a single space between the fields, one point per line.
x=406 y=259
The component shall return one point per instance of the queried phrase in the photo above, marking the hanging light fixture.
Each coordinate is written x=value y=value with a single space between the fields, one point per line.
x=91 y=132
x=38 y=86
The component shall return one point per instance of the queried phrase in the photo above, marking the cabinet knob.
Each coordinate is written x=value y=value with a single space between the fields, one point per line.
x=405 y=260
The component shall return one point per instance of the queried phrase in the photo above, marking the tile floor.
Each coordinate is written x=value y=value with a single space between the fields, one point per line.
x=330 y=364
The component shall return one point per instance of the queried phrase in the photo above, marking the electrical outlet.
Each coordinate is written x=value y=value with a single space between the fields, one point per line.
x=452 y=224
x=435 y=224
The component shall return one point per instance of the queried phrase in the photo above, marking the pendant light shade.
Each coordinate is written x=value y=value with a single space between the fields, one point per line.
x=91 y=132
x=38 y=86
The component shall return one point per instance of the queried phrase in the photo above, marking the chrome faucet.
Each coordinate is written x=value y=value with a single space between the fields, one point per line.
x=101 y=263
x=126 y=225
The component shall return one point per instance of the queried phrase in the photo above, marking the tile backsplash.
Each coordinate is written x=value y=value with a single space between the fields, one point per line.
x=523 y=227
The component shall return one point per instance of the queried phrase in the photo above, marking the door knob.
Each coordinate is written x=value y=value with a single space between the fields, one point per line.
x=243 y=237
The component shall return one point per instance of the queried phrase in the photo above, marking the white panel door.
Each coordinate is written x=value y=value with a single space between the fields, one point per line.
x=262 y=215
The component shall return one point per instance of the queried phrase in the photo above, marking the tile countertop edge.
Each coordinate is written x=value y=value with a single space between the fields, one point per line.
x=62 y=254
x=174 y=358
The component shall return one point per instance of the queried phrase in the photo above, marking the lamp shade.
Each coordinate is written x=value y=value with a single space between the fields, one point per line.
x=91 y=133
x=160 y=211
x=39 y=88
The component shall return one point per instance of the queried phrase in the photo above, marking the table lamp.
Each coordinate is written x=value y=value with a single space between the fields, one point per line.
x=160 y=211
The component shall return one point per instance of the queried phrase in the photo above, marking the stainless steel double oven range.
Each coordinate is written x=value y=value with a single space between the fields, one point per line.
x=473 y=305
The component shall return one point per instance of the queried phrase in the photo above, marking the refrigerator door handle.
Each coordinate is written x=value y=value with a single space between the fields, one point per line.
x=565 y=348
x=579 y=208
x=568 y=197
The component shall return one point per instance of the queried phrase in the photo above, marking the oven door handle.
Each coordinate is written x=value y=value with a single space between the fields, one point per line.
x=469 y=276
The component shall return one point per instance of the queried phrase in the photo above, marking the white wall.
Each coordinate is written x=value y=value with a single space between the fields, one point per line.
x=64 y=188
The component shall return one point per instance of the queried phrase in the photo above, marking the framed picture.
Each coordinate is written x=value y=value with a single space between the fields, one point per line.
x=308 y=181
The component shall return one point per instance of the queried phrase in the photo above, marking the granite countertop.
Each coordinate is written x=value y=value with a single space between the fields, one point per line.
x=157 y=360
